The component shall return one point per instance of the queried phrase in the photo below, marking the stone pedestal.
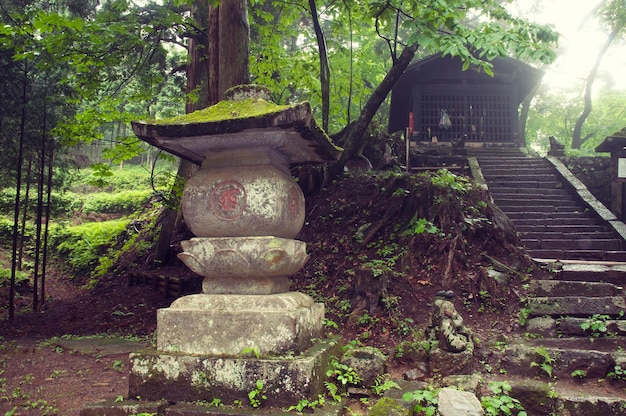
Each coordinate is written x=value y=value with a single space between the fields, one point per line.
x=229 y=325
x=445 y=363
x=186 y=378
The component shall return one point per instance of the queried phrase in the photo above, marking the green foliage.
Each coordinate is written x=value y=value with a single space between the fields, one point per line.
x=596 y=325
x=425 y=400
x=553 y=113
x=419 y=226
x=546 y=363
x=328 y=323
x=618 y=373
x=445 y=179
x=364 y=41
x=383 y=384
x=378 y=267
x=524 y=314
x=308 y=404
x=251 y=352
x=60 y=203
x=5 y=276
x=256 y=395
x=81 y=247
x=501 y=403
x=124 y=202
x=101 y=172
x=340 y=377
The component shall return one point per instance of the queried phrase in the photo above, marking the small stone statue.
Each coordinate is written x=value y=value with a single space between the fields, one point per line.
x=447 y=325
x=556 y=148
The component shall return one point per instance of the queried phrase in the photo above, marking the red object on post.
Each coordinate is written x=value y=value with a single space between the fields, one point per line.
x=411 y=124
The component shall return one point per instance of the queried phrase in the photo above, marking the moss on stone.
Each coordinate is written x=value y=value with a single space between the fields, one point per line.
x=227 y=110
x=389 y=407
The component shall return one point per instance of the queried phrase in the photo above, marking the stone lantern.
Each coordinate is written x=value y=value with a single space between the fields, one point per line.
x=245 y=210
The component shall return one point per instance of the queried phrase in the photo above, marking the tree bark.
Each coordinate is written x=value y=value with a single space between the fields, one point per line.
x=234 y=37
x=18 y=186
x=523 y=116
x=354 y=135
x=219 y=60
x=324 y=65
x=197 y=91
x=577 y=139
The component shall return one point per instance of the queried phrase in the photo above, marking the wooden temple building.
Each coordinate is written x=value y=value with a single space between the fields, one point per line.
x=441 y=102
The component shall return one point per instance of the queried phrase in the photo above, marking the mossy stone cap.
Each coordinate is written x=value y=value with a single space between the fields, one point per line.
x=246 y=120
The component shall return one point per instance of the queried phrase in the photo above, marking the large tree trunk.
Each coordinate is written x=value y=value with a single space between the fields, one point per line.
x=234 y=54
x=197 y=98
x=577 y=139
x=355 y=132
x=219 y=60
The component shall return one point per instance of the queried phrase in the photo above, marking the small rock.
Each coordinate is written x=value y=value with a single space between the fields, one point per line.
x=536 y=396
x=465 y=382
x=544 y=326
x=414 y=374
x=453 y=402
x=367 y=362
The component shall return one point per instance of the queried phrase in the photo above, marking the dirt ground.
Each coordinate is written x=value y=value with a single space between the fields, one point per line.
x=56 y=360
x=75 y=350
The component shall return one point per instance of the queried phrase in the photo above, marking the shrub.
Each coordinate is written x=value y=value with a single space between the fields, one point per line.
x=82 y=246
x=5 y=276
x=124 y=202
x=60 y=203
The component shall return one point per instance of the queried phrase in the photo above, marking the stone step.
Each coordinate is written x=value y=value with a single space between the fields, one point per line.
x=590 y=233
x=535 y=359
x=576 y=306
x=516 y=192
x=503 y=172
x=615 y=274
x=586 y=255
x=553 y=209
x=537 y=227
x=560 y=288
x=535 y=194
x=506 y=203
x=592 y=405
x=595 y=327
x=540 y=183
x=509 y=160
x=572 y=243
x=563 y=217
x=615 y=255
x=615 y=345
x=594 y=332
x=541 y=397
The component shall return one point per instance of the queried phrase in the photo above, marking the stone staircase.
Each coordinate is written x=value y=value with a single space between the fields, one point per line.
x=553 y=222
x=576 y=328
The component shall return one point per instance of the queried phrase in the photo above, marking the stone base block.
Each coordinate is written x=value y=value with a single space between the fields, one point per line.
x=187 y=378
x=446 y=363
x=124 y=408
x=229 y=325
x=329 y=409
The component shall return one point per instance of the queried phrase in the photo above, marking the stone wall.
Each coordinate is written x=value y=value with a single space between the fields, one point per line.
x=595 y=172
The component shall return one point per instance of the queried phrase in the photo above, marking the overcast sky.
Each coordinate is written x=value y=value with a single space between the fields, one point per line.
x=581 y=39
